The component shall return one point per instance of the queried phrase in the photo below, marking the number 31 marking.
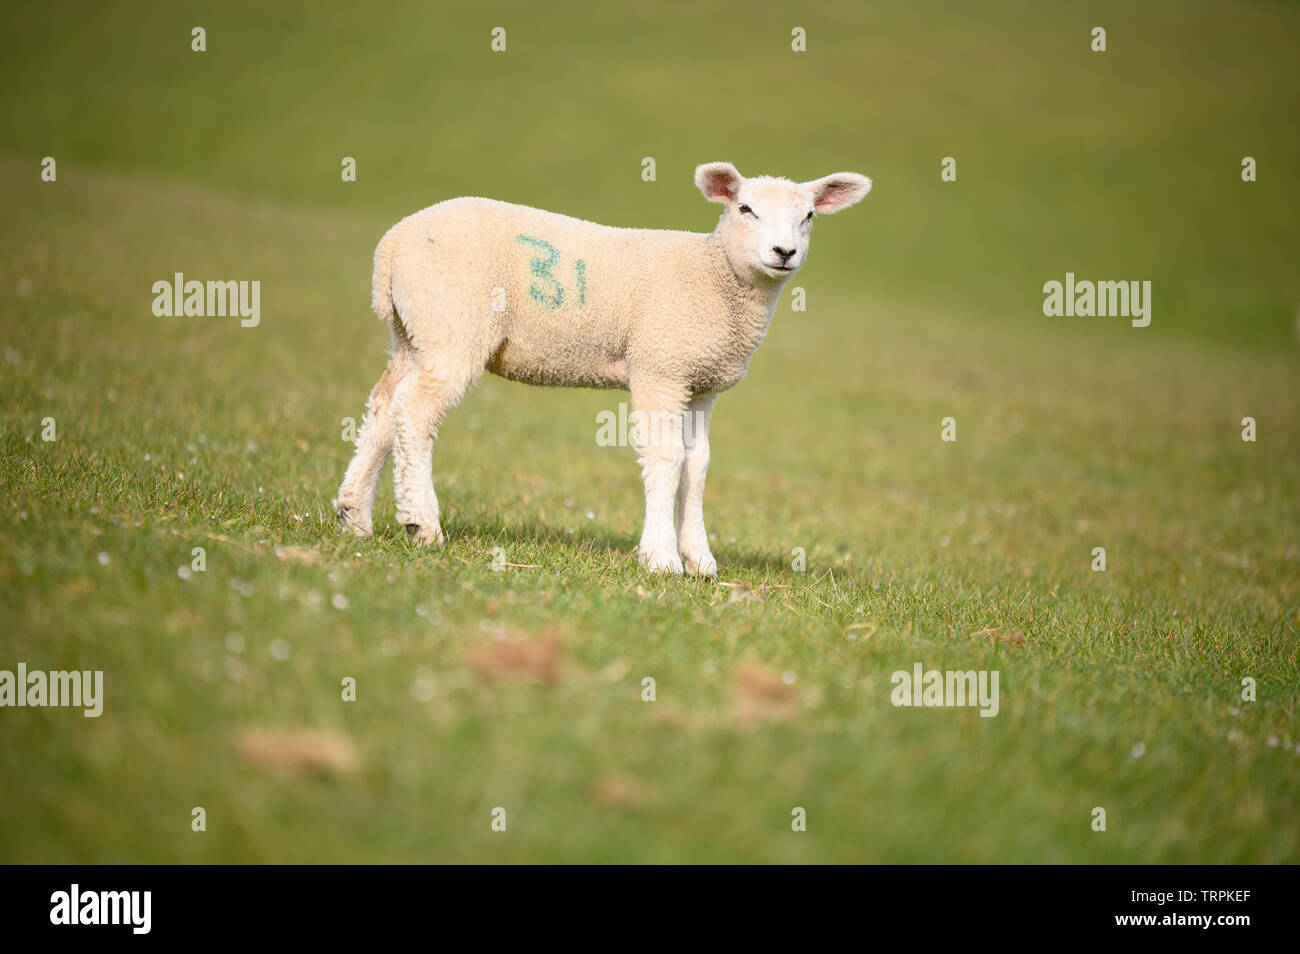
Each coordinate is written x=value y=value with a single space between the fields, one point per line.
x=551 y=293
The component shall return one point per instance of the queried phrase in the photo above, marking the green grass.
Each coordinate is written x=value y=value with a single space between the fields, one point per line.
x=924 y=302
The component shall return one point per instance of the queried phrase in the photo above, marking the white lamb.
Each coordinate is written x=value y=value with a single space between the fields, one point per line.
x=674 y=317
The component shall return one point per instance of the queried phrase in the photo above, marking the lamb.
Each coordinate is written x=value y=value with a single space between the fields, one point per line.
x=473 y=284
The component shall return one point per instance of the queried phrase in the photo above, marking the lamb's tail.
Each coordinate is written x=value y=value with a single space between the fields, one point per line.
x=381 y=299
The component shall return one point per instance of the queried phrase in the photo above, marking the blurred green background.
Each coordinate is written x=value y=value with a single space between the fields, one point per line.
x=925 y=301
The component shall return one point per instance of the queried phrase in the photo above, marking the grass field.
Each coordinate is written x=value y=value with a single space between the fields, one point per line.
x=523 y=689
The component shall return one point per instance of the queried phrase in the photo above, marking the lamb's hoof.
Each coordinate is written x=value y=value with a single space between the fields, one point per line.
x=350 y=518
x=668 y=561
x=424 y=535
x=704 y=566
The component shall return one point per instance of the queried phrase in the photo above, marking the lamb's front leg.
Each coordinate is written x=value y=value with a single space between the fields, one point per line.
x=657 y=412
x=692 y=538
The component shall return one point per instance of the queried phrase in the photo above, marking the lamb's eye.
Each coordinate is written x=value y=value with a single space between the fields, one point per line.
x=809 y=217
x=746 y=210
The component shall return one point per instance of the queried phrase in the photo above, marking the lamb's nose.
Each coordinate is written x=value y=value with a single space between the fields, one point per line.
x=785 y=253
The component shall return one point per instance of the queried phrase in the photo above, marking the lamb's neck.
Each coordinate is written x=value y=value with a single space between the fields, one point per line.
x=749 y=306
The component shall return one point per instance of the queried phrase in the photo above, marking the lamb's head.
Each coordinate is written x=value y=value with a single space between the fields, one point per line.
x=767 y=224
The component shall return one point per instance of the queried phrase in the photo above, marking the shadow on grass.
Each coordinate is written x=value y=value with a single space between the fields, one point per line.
x=494 y=532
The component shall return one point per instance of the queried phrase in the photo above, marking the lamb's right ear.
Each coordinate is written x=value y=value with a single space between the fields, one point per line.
x=719 y=181
x=839 y=191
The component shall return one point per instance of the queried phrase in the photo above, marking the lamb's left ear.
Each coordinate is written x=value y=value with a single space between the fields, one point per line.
x=719 y=181
x=838 y=191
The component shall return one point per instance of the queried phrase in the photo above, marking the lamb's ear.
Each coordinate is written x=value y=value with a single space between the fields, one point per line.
x=838 y=191
x=719 y=181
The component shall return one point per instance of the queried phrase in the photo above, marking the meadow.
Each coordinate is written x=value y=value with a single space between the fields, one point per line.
x=852 y=540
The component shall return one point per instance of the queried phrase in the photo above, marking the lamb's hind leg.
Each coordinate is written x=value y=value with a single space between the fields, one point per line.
x=425 y=395
x=356 y=496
